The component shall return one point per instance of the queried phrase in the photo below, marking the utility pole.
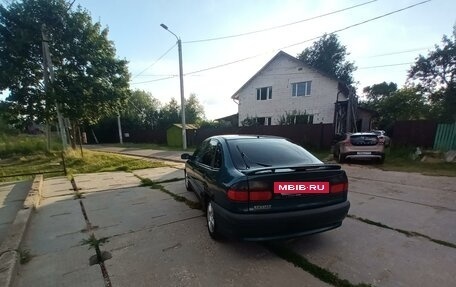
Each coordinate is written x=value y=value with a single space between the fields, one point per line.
x=181 y=77
x=49 y=78
x=120 y=128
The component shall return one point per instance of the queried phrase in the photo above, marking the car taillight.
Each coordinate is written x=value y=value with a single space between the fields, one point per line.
x=244 y=196
x=238 y=195
x=260 y=195
x=241 y=193
x=347 y=143
x=338 y=187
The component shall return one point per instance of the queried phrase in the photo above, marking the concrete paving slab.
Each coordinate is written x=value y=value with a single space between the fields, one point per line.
x=56 y=225
x=57 y=186
x=182 y=254
x=434 y=222
x=69 y=267
x=101 y=181
x=178 y=187
x=160 y=173
x=399 y=203
x=12 y=197
x=409 y=193
x=444 y=183
x=361 y=252
x=129 y=210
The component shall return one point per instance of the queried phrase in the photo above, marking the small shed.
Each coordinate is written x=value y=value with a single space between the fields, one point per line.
x=174 y=134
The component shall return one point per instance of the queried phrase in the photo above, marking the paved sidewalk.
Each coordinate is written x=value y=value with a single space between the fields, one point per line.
x=154 y=239
x=12 y=197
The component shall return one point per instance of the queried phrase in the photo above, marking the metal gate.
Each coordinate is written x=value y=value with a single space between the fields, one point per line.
x=445 y=137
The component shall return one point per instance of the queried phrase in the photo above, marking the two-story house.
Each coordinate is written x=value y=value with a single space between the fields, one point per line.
x=288 y=88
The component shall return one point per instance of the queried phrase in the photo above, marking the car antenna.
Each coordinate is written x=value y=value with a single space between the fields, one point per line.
x=243 y=157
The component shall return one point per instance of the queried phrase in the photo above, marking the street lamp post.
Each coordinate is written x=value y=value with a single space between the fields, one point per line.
x=181 y=76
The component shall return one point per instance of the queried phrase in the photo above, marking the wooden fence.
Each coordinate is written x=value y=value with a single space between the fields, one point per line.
x=307 y=135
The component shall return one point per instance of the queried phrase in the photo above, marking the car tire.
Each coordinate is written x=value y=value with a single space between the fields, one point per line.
x=188 y=185
x=381 y=160
x=211 y=221
x=340 y=157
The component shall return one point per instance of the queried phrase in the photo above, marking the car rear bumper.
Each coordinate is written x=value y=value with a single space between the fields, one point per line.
x=372 y=155
x=271 y=226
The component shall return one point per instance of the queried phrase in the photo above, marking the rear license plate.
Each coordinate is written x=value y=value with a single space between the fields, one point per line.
x=363 y=153
x=301 y=187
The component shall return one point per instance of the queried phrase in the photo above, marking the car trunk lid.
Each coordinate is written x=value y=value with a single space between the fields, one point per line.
x=295 y=188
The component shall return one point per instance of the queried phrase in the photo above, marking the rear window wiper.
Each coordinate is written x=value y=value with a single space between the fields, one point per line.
x=245 y=158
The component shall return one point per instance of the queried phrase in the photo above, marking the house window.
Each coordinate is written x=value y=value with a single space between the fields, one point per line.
x=301 y=89
x=264 y=93
x=304 y=119
x=264 y=121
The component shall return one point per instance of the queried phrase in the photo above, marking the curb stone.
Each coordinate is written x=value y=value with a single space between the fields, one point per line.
x=9 y=248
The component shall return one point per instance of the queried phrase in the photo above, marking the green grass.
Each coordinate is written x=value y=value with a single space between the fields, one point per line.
x=151 y=146
x=94 y=161
x=91 y=162
x=399 y=159
x=19 y=145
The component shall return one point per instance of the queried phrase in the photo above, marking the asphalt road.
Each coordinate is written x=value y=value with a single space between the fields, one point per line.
x=400 y=232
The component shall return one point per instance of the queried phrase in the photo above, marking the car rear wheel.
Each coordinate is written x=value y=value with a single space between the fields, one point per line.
x=211 y=222
x=188 y=185
x=340 y=157
x=381 y=160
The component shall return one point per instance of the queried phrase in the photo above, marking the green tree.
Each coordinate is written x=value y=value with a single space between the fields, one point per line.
x=89 y=80
x=141 y=111
x=169 y=114
x=377 y=92
x=194 y=111
x=403 y=104
x=436 y=77
x=329 y=56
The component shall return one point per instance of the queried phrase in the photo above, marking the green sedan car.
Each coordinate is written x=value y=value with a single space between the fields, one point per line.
x=264 y=188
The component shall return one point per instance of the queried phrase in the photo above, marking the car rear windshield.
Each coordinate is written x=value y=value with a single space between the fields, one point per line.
x=364 y=139
x=267 y=152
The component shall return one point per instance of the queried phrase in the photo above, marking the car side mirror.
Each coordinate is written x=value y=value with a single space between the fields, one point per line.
x=185 y=156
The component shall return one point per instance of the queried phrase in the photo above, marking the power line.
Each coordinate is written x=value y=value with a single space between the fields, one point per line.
x=315 y=38
x=156 y=61
x=382 y=66
x=398 y=52
x=156 y=80
x=280 y=26
x=288 y=46
x=278 y=74
x=360 y=23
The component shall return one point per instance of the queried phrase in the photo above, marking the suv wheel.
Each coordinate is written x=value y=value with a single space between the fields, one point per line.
x=340 y=157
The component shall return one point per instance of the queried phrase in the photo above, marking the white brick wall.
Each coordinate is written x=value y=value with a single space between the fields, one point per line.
x=280 y=74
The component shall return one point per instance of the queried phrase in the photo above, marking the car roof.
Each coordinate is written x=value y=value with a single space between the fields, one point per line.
x=362 y=134
x=236 y=137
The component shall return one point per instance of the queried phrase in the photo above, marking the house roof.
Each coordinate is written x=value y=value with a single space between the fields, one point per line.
x=187 y=126
x=235 y=96
x=229 y=118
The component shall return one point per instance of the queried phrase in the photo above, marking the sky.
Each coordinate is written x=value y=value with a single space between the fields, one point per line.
x=382 y=49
